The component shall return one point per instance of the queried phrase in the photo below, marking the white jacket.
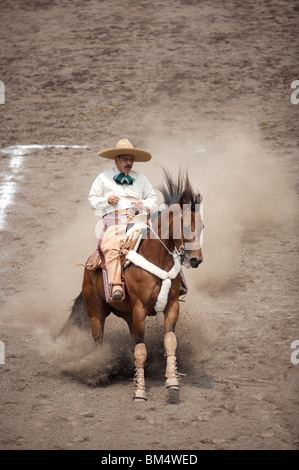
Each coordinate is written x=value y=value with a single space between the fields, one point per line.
x=104 y=186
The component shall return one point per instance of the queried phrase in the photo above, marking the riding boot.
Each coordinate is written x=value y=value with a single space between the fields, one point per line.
x=183 y=284
x=117 y=291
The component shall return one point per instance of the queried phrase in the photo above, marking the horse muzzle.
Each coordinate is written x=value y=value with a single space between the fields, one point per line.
x=195 y=262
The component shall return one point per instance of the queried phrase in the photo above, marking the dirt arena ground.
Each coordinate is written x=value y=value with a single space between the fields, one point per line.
x=200 y=84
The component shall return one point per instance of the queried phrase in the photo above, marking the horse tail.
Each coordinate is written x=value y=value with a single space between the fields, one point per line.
x=78 y=318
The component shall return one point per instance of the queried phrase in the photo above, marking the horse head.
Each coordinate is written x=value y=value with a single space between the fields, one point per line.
x=187 y=224
x=191 y=229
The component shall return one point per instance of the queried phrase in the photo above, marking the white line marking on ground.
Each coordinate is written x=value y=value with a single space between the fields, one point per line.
x=9 y=184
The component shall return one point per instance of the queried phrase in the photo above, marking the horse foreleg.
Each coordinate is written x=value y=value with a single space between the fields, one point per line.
x=96 y=309
x=170 y=344
x=140 y=355
x=171 y=374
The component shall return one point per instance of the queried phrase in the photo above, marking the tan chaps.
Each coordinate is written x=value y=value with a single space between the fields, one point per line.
x=110 y=247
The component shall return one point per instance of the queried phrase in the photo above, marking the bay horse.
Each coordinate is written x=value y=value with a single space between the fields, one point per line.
x=153 y=277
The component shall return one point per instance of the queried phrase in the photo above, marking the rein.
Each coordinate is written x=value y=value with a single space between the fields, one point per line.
x=177 y=251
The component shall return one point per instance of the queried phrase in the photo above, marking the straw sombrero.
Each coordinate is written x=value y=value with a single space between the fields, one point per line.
x=124 y=147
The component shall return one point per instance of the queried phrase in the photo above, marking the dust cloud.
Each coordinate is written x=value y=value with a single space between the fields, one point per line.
x=244 y=188
x=245 y=191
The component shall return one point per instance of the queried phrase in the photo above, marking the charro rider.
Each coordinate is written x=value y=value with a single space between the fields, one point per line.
x=119 y=193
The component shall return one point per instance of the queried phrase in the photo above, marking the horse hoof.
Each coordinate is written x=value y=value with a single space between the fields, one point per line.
x=172 y=383
x=173 y=395
x=140 y=395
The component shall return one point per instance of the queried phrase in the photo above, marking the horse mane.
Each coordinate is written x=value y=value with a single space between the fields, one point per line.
x=179 y=191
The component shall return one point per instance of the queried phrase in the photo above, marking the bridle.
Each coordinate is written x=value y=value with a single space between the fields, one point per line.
x=177 y=252
x=181 y=248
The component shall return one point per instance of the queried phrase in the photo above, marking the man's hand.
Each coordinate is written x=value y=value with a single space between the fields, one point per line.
x=139 y=206
x=137 y=201
x=113 y=200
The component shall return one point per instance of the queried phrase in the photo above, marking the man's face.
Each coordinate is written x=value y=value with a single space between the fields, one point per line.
x=124 y=163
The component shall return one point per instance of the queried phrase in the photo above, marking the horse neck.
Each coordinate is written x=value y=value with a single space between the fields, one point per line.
x=156 y=252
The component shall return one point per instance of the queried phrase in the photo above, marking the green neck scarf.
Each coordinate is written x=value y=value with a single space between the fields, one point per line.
x=123 y=179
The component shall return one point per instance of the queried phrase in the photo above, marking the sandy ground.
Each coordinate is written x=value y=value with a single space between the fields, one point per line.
x=201 y=84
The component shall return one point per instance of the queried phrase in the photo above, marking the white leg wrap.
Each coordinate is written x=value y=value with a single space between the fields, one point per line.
x=140 y=355
x=171 y=374
x=170 y=343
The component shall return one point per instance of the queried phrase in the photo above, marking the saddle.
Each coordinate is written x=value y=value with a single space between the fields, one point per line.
x=94 y=261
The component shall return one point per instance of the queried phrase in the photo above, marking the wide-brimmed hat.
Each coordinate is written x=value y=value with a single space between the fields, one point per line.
x=124 y=147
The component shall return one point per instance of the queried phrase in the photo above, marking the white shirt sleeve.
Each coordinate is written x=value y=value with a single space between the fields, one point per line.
x=97 y=199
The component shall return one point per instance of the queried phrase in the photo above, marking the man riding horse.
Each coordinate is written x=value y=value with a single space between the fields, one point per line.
x=153 y=278
x=120 y=193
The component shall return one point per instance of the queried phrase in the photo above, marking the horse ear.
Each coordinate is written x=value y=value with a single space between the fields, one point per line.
x=198 y=198
x=182 y=201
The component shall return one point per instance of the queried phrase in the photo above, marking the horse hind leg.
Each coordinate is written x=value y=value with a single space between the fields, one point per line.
x=96 y=308
x=170 y=344
x=140 y=355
